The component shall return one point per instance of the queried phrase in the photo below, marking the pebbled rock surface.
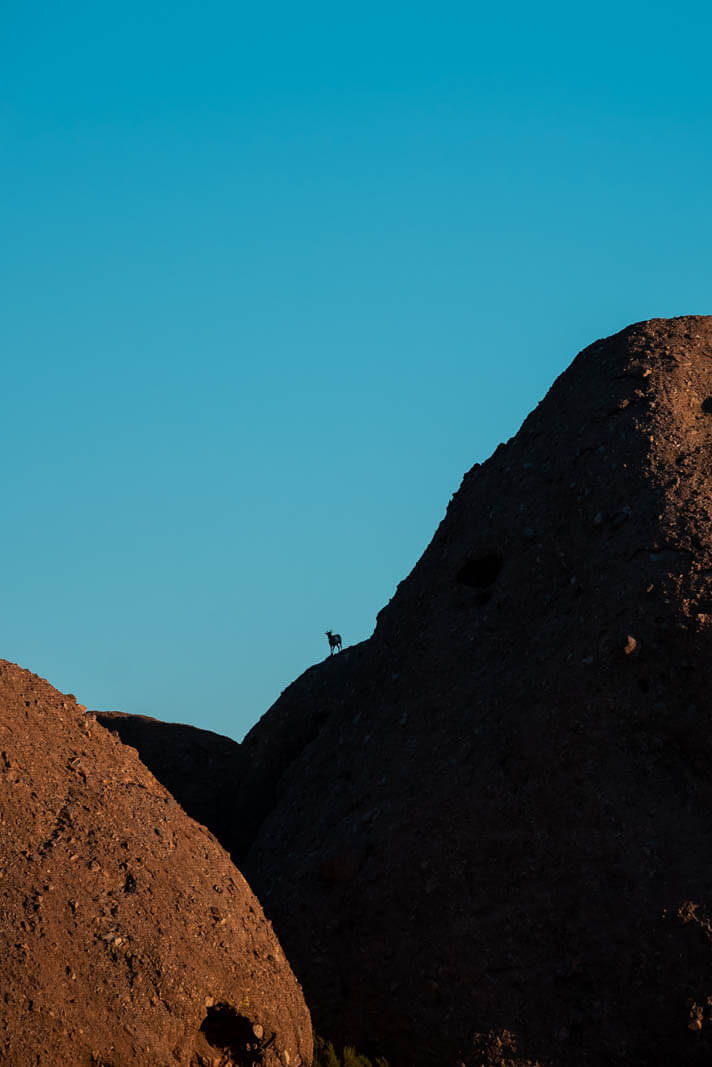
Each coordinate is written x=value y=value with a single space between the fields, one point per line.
x=126 y=934
x=485 y=835
x=196 y=766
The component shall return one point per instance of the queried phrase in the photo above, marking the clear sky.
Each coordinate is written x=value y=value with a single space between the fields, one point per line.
x=275 y=276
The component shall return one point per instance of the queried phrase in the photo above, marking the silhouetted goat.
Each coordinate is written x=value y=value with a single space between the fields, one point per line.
x=334 y=642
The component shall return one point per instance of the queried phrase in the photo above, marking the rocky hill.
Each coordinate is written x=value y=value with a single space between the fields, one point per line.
x=484 y=835
x=127 y=936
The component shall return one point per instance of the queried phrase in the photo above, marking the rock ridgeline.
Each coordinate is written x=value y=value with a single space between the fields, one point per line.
x=483 y=835
x=127 y=935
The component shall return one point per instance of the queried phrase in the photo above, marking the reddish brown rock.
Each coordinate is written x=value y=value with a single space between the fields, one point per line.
x=197 y=766
x=127 y=935
x=484 y=835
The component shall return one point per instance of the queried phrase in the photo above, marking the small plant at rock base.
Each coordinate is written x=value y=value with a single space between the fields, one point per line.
x=325 y=1055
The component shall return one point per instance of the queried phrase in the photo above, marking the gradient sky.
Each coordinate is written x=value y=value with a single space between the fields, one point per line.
x=275 y=276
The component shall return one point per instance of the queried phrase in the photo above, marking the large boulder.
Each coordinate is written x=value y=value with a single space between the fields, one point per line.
x=484 y=835
x=127 y=935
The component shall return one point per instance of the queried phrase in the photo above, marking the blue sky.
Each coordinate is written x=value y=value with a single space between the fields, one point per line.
x=275 y=276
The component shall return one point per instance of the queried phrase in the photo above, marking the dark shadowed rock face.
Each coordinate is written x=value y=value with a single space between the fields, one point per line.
x=198 y=767
x=484 y=836
x=126 y=934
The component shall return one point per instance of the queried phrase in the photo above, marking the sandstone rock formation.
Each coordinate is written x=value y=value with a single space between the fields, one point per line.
x=484 y=835
x=126 y=934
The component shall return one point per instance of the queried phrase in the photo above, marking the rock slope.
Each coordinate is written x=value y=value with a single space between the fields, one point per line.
x=197 y=766
x=126 y=934
x=483 y=835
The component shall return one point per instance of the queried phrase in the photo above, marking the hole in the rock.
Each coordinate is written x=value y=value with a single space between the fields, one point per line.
x=707 y=405
x=481 y=572
x=233 y=1034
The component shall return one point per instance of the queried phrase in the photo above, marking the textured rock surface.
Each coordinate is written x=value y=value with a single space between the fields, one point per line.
x=197 y=766
x=484 y=835
x=127 y=936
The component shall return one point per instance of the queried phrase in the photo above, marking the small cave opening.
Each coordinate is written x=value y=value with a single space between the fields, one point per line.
x=233 y=1035
x=482 y=572
x=707 y=405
